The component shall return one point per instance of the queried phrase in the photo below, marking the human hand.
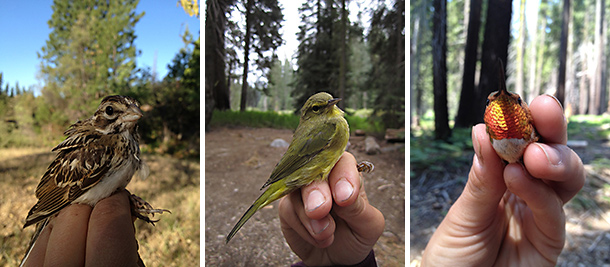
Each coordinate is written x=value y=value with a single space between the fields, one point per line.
x=344 y=235
x=84 y=236
x=512 y=215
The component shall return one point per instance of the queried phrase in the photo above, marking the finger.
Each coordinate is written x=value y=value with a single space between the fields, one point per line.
x=317 y=199
x=559 y=165
x=485 y=187
x=549 y=120
x=317 y=232
x=111 y=237
x=289 y=220
x=363 y=220
x=68 y=237
x=344 y=180
x=545 y=205
x=36 y=256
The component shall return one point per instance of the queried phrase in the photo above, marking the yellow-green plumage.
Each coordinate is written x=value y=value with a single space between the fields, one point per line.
x=317 y=144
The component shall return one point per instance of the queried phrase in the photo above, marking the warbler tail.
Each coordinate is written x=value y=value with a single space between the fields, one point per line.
x=273 y=193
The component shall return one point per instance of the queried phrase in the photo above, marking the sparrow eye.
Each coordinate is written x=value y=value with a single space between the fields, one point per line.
x=109 y=110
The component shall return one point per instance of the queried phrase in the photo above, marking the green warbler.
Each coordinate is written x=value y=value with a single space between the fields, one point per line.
x=317 y=144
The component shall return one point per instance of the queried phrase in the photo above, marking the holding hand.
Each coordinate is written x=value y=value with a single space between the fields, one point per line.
x=82 y=235
x=344 y=235
x=512 y=215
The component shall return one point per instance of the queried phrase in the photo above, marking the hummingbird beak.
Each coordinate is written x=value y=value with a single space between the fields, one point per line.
x=333 y=101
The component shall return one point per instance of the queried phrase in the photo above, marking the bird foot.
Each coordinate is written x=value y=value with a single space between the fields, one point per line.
x=365 y=166
x=139 y=207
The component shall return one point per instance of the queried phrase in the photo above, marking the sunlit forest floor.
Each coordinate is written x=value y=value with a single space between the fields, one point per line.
x=173 y=184
x=239 y=160
x=435 y=187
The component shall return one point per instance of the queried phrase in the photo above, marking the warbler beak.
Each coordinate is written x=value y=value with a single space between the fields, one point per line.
x=133 y=113
x=333 y=101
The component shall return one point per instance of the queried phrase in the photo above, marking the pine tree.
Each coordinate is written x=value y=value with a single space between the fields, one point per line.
x=387 y=76
x=263 y=22
x=89 y=54
x=318 y=52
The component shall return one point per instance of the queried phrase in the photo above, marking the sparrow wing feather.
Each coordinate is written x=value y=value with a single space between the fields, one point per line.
x=79 y=165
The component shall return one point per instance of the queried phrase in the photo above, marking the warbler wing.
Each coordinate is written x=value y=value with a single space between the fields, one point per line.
x=302 y=150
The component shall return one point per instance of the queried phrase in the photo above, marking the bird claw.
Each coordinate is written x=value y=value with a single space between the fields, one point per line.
x=365 y=166
x=139 y=207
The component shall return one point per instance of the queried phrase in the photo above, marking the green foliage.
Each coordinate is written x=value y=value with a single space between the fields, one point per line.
x=254 y=119
x=281 y=120
x=589 y=127
x=318 y=52
x=280 y=85
x=428 y=153
x=359 y=66
x=172 y=122
x=386 y=79
x=90 y=52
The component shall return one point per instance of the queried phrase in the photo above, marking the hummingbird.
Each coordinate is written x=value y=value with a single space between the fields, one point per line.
x=509 y=122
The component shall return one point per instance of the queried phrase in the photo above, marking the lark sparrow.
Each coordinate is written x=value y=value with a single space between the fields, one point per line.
x=99 y=156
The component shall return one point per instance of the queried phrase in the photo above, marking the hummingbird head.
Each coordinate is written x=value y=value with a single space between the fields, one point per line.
x=506 y=114
x=320 y=104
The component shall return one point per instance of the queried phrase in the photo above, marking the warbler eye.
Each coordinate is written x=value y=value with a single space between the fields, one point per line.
x=315 y=108
x=109 y=110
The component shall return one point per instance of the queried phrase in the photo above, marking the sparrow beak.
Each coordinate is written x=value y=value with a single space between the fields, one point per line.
x=133 y=113
x=333 y=101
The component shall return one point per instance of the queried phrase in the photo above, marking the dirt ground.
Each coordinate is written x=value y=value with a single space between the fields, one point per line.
x=238 y=162
x=432 y=192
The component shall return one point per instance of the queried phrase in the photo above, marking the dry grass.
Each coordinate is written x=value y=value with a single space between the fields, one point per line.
x=173 y=184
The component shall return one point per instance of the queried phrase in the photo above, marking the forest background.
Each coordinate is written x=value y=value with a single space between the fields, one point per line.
x=91 y=52
x=556 y=47
x=354 y=50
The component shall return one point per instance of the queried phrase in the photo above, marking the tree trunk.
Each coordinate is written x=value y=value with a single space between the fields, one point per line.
x=244 y=84
x=604 y=88
x=520 y=50
x=539 y=60
x=414 y=58
x=343 y=52
x=531 y=82
x=563 y=49
x=495 y=47
x=570 y=68
x=596 y=92
x=466 y=116
x=439 y=44
x=216 y=92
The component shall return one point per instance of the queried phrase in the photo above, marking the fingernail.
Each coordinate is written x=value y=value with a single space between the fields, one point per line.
x=552 y=155
x=476 y=145
x=556 y=100
x=315 y=200
x=560 y=106
x=319 y=225
x=343 y=190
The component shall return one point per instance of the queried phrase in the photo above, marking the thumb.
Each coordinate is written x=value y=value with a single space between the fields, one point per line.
x=351 y=204
x=485 y=187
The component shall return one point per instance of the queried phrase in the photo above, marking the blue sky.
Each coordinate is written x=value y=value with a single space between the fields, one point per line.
x=24 y=31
